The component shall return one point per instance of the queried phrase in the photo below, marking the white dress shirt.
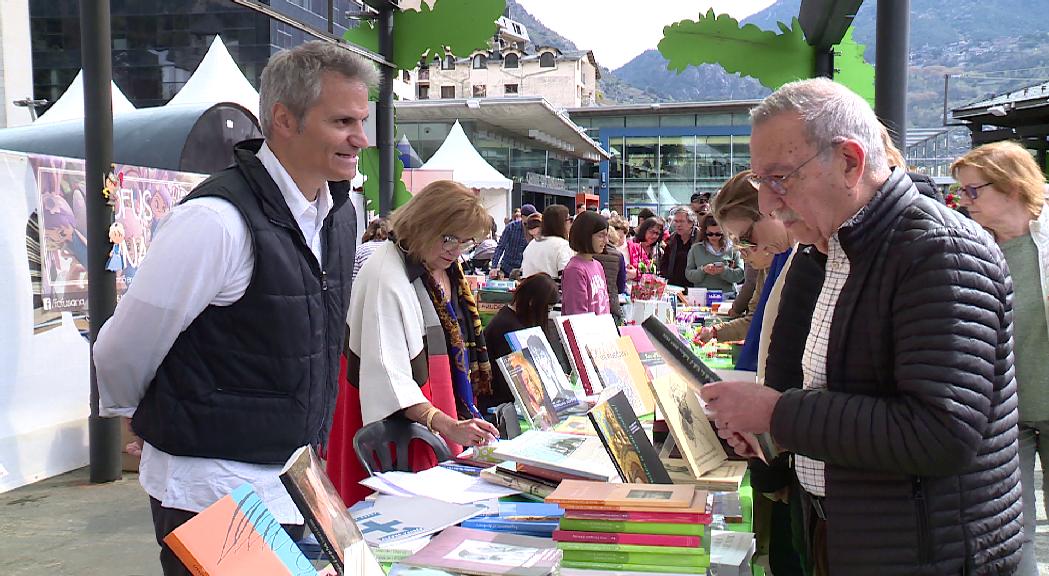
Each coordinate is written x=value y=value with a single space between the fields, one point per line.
x=200 y=256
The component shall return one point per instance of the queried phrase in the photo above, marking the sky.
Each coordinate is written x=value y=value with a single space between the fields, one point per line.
x=618 y=30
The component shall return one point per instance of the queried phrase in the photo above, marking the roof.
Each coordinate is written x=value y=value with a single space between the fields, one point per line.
x=525 y=117
x=468 y=168
x=218 y=79
x=730 y=106
x=70 y=106
x=1009 y=109
x=919 y=135
x=825 y=21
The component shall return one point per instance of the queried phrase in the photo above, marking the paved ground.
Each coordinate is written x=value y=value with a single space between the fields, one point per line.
x=67 y=526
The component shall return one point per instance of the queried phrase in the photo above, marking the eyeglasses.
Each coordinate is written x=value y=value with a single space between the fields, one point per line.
x=777 y=183
x=972 y=191
x=715 y=234
x=452 y=243
x=743 y=241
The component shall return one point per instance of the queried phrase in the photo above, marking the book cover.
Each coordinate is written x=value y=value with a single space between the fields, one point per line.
x=558 y=389
x=579 y=525
x=680 y=358
x=634 y=567
x=326 y=515
x=582 y=456
x=699 y=508
x=584 y=370
x=630 y=539
x=512 y=469
x=529 y=518
x=585 y=330
x=645 y=351
x=391 y=519
x=639 y=516
x=614 y=373
x=621 y=557
x=483 y=553
x=571 y=493
x=527 y=487
x=575 y=424
x=237 y=536
x=626 y=441
x=725 y=478
x=664 y=550
x=540 y=472
x=693 y=434
x=527 y=388
x=638 y=374
x=406 y=570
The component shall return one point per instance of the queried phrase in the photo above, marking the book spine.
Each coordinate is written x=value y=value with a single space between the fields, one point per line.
x=642 y=558
x=631 y=527
x=633 y=567
x=634 y=539
x=525 y=486
x=547 y=474
x=665 y=550
x=659 y=517
x=188 y=559
x=311 y=522
x=608 y=447
x=581 y=369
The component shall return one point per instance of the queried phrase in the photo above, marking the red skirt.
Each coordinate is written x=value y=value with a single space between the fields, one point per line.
x=344 y=468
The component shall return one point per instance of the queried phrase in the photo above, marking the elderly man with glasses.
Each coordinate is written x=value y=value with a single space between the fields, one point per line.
x=904 y=431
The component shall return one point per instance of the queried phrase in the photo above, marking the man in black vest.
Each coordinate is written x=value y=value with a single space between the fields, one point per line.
x=226 y=348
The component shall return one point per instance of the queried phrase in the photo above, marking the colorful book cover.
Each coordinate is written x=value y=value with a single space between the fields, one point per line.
x=620 y=557
x=513 y=470
x=725 y=478
x=558 y=389
x=664 y=550
x=626 y=441
x=390 y=519
x=699 y=507
x=615 y=374
x=638 y=374
x=529 y=518
x=575 y=424
x=571 y=493
x=527 y=388
x=645 y=351
x=584 y=330
x=579 y=525
x=237 y=536
x=582 y=456
x=629 y=539
x=527 y=487
x=638 y=516
x=485 y=553
x=634 y=567
x=326 y=515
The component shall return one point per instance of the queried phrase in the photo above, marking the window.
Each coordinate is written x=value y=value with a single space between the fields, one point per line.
x=510 y=89
x=448 y=63
x=546 y=60
x=511 y=61
x=424 y=91
x=406 y=76
x=479 y=91
x=480 y=62
x=447 y=92
x=424 y=74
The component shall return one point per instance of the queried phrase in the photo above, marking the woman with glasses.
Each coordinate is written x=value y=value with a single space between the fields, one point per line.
x=714 y=263
x=646 y=247
x=416 y=349
x=1004 y=191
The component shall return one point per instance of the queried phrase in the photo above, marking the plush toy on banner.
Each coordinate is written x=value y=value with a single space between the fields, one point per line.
x=113 y=183
x=117 y=254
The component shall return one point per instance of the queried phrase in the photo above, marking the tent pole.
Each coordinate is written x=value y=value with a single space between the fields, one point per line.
x=384 y=110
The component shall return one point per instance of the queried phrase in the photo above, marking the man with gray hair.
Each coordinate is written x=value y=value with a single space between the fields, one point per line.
x=225 y=350
x=675 y=257
x=904 y=428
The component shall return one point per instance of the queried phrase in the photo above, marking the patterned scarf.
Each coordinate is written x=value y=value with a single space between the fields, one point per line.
x=471 y=371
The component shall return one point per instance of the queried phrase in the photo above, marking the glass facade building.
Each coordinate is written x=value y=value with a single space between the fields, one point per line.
x=157 y=44
x=664 y=153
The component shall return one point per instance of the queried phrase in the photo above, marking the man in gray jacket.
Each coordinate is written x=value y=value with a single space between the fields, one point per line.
x=904 y=431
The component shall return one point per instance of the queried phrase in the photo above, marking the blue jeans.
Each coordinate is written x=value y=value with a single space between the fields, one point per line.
x=1031 y=444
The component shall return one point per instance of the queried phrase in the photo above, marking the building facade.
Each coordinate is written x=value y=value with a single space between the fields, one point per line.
x=16 y=78
x=661 y=154
x=157 y=44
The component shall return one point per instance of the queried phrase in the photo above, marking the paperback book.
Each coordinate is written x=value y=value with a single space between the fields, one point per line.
x=527 y=487
x=622 y=557
x=661 y=550
x=693 y=435
x=390 y=519
x=619 y=368
x=528 y=518
x=626 y=441
x=554 y=381
x=613 y=538
x=579 y=525
x=582 y=456
x=580 y=331
x=634 y=567
x=571 y=493
x=483 y=553
x=532 y=400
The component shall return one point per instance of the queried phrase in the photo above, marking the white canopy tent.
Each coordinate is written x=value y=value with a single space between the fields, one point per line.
x=458 y=156
x=218 y=79
x=70 y=106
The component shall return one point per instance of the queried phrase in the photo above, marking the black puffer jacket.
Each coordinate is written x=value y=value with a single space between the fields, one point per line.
x=918 y=425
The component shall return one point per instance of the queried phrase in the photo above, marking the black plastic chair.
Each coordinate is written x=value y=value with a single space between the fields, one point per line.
x=507 y=421
x=374 y=443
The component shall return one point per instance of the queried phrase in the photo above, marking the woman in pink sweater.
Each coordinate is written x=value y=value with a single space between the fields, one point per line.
x=583 y=287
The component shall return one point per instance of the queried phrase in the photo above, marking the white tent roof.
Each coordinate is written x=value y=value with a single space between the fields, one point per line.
x=459 y=156
x=218 y=79
x=71 y=105
x=665 y=197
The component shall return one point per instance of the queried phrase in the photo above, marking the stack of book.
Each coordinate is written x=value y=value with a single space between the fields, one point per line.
x=652 y=528
x=538 y=460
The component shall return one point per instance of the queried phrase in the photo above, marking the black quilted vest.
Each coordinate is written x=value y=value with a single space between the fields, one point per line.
x=257 y=379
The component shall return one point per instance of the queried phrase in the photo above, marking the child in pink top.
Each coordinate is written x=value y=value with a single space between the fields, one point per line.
x=583 y=287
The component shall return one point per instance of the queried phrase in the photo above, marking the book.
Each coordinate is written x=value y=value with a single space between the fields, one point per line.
x=532 y=400
x=558 y=389
x=645 y=351
x=528 y=518
x=684 y=541
x=581 y=330
x=638 y=516
x=622 y=557
x=512 y=469
x=634 y=567
x=579 y=525
x=693 y=434
x=582 y=456
x=575 y=424
x=405 y=570
x=482 y=553
x=664 y=550
x=527 y=487
x=480 y=456
x=237 y=536
x=398 y=551
x=725 y=478
x=391 y=519
x=731 y=552
x=616 y=372
x=654 y=496
x=699 y=510
x=680 y=358
x=627 y=444
x=326 y=515
x=545 y=474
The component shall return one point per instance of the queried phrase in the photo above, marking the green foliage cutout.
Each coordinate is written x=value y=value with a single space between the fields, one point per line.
x=368 y=164
x=460 y=26
x=772 y=59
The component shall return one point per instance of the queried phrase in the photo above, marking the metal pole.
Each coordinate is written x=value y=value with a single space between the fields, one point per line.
x=946 y=88
x=825 y=63
x=384 y=111
x=103 y=433
x=890 y=76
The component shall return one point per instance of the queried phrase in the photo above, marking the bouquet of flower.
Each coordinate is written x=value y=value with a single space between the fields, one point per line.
x=648 y=285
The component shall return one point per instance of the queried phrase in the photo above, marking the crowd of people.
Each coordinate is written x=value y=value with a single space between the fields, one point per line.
x=899 y=345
